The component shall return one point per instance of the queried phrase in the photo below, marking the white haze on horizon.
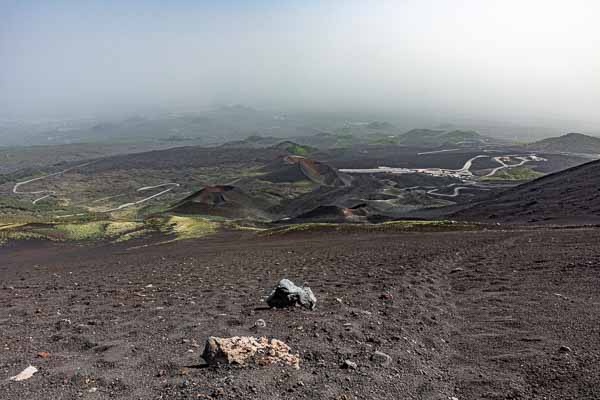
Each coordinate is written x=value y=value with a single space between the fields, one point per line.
x=521 y=60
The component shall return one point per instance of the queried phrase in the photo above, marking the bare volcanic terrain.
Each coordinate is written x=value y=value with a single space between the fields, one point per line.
x=572 y=196
x=469 y=315
x=333 y=214
x=296 y=168
x=221 y=200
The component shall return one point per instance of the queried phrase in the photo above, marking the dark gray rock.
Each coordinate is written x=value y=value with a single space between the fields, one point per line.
x=381 y=358
x=347 y=364
x=286 y=294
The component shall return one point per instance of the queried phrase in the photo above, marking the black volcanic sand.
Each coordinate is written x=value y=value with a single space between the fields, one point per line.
x=469 y=315
x=569 y=196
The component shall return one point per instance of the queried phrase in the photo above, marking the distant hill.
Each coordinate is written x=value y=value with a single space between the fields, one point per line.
x=253 y=142
x=375 y=132
x=272 y=143
x=570 y=143
x=380 y=126
x=294 y=148
x=324 y=140
x=569 y=195
x=437 y=138
x=421 y=137
x=463 y=137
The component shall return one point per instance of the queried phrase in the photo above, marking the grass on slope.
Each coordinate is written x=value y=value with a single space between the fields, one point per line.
x=379 y=138
x=97 y=229
x=80 y=231
x=16 y=210
x=515 y=174
x=188 y=227
x=115 y=231
x=390 y=227
x=299 y=150
x=457 y=137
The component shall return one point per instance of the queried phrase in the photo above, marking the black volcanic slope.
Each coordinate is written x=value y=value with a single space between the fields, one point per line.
x=184 y=157
x=572 y=143
x=572 y=195
x=331 y=214
x=222 y=200
x=297 y=168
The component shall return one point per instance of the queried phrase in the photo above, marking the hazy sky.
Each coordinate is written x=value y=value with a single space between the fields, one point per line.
x=503 y=59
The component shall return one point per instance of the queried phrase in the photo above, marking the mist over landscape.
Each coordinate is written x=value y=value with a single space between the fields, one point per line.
x=288 y=199
x=530 y=65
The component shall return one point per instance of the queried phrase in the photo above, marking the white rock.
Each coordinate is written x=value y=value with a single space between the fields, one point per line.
x=245 y=350
x=25 y=374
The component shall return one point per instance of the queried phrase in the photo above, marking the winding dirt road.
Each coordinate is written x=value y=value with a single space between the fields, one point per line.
x=524 y=160
x=453 y=194
x=49 y=193
x=145 y=188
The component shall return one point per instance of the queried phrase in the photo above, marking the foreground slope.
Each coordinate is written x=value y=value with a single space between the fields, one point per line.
x=512 y=315
x=572 y=195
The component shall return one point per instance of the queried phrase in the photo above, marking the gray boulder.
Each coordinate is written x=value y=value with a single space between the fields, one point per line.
x=286 y=294
x=381 y=358
x=347 y=364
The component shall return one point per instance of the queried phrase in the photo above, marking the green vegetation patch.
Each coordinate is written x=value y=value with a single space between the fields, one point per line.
x=515 y=174
x=97 y=230
x=81 y=231
x=10 y=225
x=76 y=231
x=379 y=138
x=188 y=227
x=175 y=226
x=299 y=150
x=14 y=210
x=386 y=227
x=456 y=137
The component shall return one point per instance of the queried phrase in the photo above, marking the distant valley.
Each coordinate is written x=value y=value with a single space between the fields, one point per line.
x=261 y=180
